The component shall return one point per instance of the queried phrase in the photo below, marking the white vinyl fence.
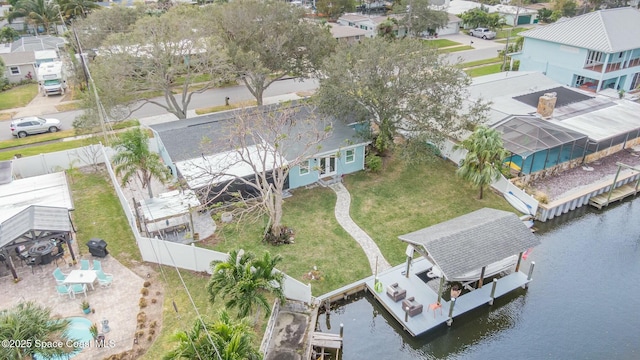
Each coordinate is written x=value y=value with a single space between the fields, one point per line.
x=505 y=186
x=189 y=257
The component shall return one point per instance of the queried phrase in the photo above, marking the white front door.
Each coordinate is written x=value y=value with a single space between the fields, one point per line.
x=327 y=166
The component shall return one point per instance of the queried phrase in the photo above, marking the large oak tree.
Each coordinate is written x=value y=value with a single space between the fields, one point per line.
x=400 y=88
x=170 y=55
x=268 y=40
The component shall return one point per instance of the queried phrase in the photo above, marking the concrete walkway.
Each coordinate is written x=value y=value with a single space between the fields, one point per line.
x=366 y=243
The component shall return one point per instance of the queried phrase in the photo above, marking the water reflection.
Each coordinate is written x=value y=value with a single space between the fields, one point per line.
x=582 y=303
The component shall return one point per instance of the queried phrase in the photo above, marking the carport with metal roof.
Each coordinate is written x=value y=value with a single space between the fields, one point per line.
x=537 y=144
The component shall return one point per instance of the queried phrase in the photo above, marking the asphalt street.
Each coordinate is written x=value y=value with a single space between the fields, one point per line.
x=483 y=49
x=208 y=98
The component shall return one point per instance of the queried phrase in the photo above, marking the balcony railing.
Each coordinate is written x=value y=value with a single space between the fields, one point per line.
x=613 y=67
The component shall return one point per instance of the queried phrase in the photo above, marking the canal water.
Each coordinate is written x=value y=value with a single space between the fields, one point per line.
x=583 y=303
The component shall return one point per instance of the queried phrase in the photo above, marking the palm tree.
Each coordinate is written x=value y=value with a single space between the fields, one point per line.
x=29 y=322
x=484 y=158
x=73 y=9
x=134 y=159
x=38 y=13
x=243 y=282
x=223 y=339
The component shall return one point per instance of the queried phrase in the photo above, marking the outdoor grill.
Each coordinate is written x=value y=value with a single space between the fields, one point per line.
x=98 y=247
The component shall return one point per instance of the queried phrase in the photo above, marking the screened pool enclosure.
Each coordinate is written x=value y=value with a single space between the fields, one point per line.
x=536 y=144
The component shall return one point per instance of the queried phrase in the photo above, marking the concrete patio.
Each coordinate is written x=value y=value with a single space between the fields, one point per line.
x=117 y=303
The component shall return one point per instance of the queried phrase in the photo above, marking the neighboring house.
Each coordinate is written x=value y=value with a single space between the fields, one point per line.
x=348 y=34
x=521 y=15
x=515 y=15
x=547 y=126
x=24 y=55
x=19 y=65
x=189 y=146
x=453 y=26
x=370 y=23
x=595 y=51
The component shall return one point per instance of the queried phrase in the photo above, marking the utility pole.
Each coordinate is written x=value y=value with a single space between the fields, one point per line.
x=506 y=50
x=84 y=66
x=91 y=84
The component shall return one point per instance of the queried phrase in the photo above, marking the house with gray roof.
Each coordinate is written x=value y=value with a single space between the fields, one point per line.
x=19 y=65
x=22 y=57
x=202 y=151
x=546 y=126
x=595 y=51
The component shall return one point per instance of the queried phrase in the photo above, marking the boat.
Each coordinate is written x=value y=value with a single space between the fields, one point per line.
x=527 y=220
x=517 y=203
x=490 y=270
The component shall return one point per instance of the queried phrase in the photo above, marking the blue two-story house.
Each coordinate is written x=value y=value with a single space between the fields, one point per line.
x=595 y=51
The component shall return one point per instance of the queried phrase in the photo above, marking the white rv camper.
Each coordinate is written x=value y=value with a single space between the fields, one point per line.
x=52 y=78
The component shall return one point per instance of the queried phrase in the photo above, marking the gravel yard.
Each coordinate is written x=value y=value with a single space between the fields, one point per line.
x=572 y=180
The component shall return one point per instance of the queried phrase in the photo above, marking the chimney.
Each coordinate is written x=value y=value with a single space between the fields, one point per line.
x=546 y=105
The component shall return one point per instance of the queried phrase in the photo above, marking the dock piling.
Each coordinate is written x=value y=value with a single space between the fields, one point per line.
x=341 y=329
x=493 y=291
x=451 y=305
x=530 y=275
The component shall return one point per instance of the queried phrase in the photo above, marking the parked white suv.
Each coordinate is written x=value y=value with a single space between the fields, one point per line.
x=483 y=33
x=34 y=125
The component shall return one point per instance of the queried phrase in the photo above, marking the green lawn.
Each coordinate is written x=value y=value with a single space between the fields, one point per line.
x=406 y=198
x=480 y=62
x=440 y=43
x=455 y=48
x=18 y=96
x=504 y=33
x=484 y=70
x=98 y=213
x=319 y=241
x=43 y=149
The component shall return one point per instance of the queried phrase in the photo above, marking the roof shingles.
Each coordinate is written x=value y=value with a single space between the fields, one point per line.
x=474 y=240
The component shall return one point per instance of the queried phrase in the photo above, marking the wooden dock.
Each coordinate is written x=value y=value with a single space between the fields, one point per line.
x=617 y=194
x=425 y=295
x=326 y=341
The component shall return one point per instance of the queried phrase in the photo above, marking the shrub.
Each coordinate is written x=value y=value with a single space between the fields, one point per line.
x=153 y=324
x=142 y=317
x=542 y=197
x=285 y=236
x=147 y=284
x=144 y=291
x=142 y=303
x=373 y=162
x=153 y=301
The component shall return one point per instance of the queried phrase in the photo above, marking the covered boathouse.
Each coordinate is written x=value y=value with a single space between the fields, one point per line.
x=486 y=242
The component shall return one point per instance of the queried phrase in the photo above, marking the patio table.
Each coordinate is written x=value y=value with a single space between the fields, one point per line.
x=87 y=277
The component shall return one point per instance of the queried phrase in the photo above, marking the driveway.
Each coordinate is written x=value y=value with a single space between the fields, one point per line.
x=482 y=49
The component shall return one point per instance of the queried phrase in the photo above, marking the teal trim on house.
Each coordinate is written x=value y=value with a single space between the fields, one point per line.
x=595 y=51
x=328 y=164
